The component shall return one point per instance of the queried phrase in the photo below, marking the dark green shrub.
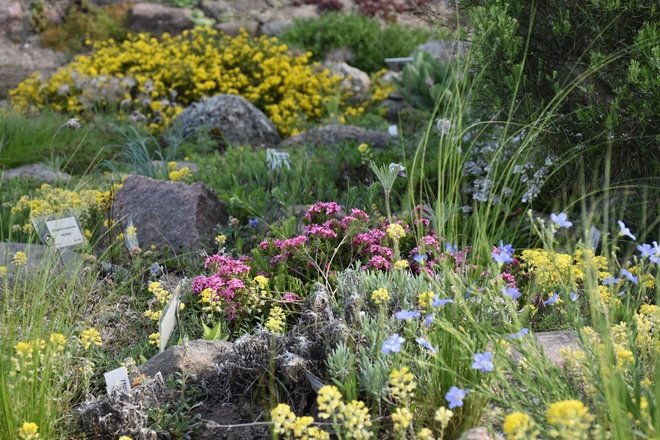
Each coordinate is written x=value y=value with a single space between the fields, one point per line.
x=368 y=42
x=593 y=65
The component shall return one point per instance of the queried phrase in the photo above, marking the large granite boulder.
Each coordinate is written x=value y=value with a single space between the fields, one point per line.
x=170 y=214
x=275 y=21
x=230 y=118
x=158 y=19
x=335 y=135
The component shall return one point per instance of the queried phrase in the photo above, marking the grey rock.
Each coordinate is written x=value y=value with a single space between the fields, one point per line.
x=196 y=357
x=334 y=135
x=12 y=16
x=443 y=50
x=35 y=171
x=552 y=342
x=231 y=118
x=233 y=28
x=157 y=19
x=38 y=256
x=214 y=8
x=18 y=61
x=480 y=433
x=276 y=21
x=168 y=214
x=353 y=79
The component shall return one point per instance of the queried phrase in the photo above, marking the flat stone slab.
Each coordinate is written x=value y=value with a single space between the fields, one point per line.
x=552 y=342
x=195 y=357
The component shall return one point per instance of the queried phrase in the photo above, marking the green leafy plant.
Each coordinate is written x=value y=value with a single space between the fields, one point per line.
x=368 y=43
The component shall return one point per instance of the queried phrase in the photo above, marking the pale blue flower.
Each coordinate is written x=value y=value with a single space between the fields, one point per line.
x=623 y=230
x=550 y=301
x=439 y=302
x=455 y=397
x=650 y=252
x=609 y=281
x=519 y=334
x=420 y=258
x=503 y=254
x=511 y=292
x=632 y=278
x=405 y=315
x=451 y=248
x=426 y=344
x=253 y=222
x=561 y=220
x=428 y=319
x=392 y=344
x=573 y=296
x=483 y=362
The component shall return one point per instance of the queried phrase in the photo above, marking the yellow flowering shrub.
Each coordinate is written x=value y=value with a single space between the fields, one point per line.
x=153 y=80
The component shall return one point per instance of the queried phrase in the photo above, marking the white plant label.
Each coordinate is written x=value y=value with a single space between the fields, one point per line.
x=117 y=378
x=168 y=320
x=65 y=232
x=393 y=130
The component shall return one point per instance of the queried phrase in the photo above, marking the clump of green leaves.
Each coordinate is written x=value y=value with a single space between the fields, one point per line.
x=369 y=43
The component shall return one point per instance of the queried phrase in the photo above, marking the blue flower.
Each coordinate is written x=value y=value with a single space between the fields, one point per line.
x=451 y=248
x=561 y=220
x=405 y=315
x=650 y=252
x=511 y=292
x=632 y=278
x=573 y=296
x=519 y=334
x=455 y=397
x=428 y=319
x=392 y=344
x=439 y=302
x=503 y=254
x=610 y=281
x=550 y=301
x=483 y=362
x=420 y=258
x=623 y=230
x=253 y=222
x=426 y=344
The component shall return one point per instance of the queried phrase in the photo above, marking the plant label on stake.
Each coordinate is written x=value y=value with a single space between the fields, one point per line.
x=117 y=379
x=65 y=232
x=168 y=319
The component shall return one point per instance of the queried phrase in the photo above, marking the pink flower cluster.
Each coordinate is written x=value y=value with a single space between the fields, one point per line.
x=327 y=208
x=225 y=282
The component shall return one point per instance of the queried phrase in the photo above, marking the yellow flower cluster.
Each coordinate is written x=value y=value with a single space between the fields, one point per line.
x=210 y=305
x=401 y=264
x=520 y=426
x=90 y=337
x=180 y=174
x=31 y=356
x=571 y=419
x=276 y=320
x=395 y=231
x=20 y=258
x=550 y=269
x=28 y=431
x=402 y=418
x=353 y=418
x=380 y=296
x=425 y=299
x=160 y=298
x=402 y=384
x=50 y=201
x=153 y=80
x=3 y=271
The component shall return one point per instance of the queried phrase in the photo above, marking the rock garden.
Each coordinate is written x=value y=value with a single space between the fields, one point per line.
x=320 y=219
